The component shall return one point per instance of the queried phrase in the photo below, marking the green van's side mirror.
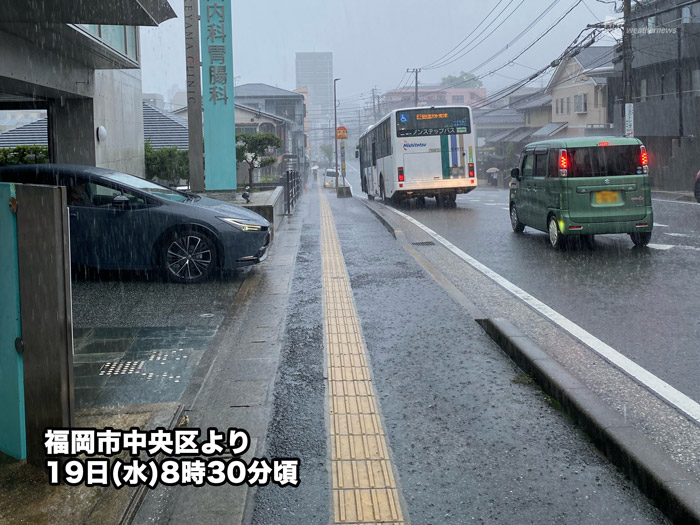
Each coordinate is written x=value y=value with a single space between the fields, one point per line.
x=515 y=173
x=357 y=154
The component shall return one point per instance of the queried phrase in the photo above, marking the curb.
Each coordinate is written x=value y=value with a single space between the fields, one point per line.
x=673 y=489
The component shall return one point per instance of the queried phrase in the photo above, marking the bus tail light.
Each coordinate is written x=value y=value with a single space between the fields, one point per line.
x=644 y=159
x=563 y=163
x=471 y=169
x=401 y=174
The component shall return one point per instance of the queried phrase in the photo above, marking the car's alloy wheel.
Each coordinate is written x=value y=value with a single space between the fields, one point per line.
x=556 y=239
x=190 y=257
x=515 y=220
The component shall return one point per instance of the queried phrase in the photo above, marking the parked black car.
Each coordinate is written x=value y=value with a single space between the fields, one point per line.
x=122 y=222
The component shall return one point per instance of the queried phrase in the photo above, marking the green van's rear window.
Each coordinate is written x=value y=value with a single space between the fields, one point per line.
x=604 y=161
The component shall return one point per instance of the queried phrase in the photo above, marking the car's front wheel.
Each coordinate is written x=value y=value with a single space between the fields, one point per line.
x=515 y=223
x=189 y=257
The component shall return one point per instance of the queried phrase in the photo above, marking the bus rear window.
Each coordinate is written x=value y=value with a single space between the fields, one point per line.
x=605 y=161
x=433 y=121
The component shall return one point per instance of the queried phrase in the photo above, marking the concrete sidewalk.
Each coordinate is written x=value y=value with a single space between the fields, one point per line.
x=262 y=371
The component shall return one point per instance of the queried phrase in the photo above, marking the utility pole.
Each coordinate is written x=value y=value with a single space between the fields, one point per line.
x=627 y=58
x=416 y=71
x=374 y=107
x=335 y=131
x=679 y=77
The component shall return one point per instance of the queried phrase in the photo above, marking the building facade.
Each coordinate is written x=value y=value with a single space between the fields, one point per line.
x=665 y=88
x=79 y=62
x=314 y=71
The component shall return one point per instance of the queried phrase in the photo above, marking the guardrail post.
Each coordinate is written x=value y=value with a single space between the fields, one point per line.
x=287 y=196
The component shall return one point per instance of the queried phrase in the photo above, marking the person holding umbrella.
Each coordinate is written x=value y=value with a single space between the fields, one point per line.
x=493 y=176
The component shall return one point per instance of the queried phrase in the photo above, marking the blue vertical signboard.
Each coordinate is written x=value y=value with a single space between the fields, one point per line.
x=217 y=95
x=12 y=429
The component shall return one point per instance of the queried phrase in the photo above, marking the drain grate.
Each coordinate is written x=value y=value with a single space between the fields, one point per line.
x=121 y=368
x=423 y=243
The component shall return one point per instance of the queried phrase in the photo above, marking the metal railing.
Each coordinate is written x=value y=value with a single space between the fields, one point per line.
x=292 y=189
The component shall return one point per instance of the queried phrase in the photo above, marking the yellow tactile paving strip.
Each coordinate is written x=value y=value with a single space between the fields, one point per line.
x=363 y=483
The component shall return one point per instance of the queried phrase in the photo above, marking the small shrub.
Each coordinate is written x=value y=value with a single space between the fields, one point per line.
x=24 y=155
x=166 y=164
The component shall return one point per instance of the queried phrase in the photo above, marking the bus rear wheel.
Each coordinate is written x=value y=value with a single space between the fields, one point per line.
x=382 y=193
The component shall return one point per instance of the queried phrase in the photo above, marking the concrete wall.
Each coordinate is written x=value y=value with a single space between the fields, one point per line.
x=117 y=107
x=71 y=137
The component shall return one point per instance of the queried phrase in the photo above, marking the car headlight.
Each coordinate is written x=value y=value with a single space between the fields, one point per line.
x=242 y=224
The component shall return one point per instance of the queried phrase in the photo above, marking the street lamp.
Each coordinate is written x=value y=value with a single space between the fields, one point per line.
x=335 y=132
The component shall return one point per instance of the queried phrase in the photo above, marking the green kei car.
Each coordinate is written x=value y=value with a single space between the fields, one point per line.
x=583 y=186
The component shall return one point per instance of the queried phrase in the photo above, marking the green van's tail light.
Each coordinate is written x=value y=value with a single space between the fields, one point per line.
x=401 y=174
x=644 y=159
x=471 y=169
x=605 y=143
x=576 y=227
x=642 y=225
x=563 y=163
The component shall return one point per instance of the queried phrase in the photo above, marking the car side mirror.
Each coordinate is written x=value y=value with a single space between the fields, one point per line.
x=515 y=173
x=357 y=154
x=120 y=202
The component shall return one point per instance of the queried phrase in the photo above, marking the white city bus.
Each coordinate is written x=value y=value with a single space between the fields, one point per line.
x=420 y=152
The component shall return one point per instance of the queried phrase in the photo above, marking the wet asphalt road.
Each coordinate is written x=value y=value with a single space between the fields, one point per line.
x=642 y=302
x=472 y=439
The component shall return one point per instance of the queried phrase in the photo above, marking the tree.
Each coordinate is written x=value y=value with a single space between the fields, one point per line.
x=463 y=80
x=328 y=152
x=166 y=164
x=251 y=149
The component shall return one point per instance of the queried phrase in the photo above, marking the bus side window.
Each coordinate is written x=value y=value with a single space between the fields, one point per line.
x=374 y=153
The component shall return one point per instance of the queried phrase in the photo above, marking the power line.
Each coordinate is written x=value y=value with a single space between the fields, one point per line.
x=429 y=66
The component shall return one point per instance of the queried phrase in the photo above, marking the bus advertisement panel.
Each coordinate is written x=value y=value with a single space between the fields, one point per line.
x=420 y=152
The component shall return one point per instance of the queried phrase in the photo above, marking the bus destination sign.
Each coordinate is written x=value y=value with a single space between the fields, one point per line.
x=419 y=123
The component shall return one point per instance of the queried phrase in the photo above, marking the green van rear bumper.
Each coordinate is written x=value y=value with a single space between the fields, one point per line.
x=569 y=227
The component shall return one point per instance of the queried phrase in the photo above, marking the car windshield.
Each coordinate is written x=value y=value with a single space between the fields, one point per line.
x=150 y=187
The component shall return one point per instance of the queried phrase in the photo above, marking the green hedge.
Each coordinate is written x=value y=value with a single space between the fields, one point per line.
x=169 y=164
x=24 y=155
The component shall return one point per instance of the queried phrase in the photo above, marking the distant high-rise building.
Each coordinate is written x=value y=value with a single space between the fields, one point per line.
x=315 y=72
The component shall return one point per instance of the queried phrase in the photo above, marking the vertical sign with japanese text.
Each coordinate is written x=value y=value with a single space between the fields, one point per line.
x=217 y=95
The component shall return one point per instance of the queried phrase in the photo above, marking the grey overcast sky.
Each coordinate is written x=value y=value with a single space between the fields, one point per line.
x=375 y=41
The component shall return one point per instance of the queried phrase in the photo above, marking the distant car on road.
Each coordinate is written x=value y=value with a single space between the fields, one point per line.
x=122 y=222
x=582 y=187
x=329 y=178
x=697 y=186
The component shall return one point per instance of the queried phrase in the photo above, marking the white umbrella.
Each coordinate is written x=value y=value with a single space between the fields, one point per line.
x=492 y=170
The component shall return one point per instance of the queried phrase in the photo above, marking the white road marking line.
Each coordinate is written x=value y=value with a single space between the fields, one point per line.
x=662 y=389
x=678 y=234
x=677 y=202
x=661 y=246
x=657 y=225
